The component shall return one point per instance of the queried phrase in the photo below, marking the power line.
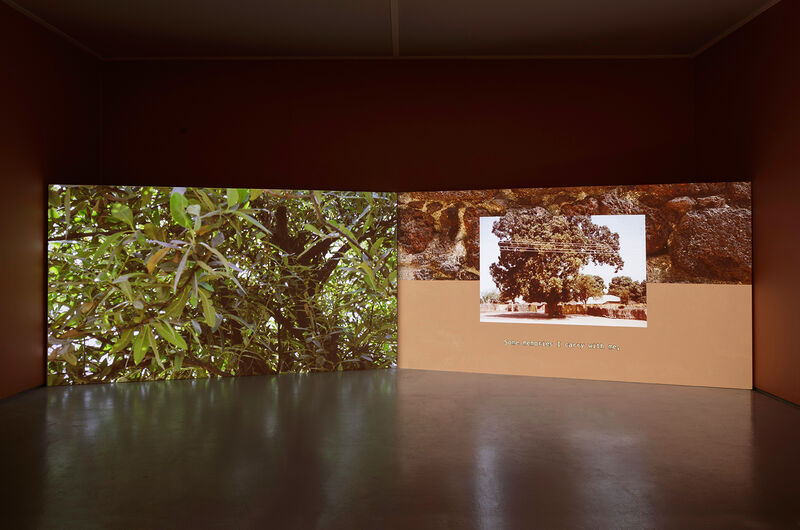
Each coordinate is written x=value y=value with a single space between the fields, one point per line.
x=556 y=247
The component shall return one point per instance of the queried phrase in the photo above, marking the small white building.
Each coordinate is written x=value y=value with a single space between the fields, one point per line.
x=605 y=299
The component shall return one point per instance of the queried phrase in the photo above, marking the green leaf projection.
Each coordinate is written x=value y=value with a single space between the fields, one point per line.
x=151 y=283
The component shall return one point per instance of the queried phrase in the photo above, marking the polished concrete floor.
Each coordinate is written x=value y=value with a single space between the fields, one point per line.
x=398 y=449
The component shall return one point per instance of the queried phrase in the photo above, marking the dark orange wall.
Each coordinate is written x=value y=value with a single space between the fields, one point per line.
x=49 y=131
x=399 y=125
x=749 y=128
x=403 y=125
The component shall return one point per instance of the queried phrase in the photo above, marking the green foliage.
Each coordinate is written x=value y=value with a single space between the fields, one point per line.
x=158 y=283
x=563 y=246
x=628 y=290
x=587 y=286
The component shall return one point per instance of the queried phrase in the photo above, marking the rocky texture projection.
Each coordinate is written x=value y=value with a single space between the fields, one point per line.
x=696 y=233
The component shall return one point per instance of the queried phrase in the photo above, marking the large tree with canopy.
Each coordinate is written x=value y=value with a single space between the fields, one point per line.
x=541 y=255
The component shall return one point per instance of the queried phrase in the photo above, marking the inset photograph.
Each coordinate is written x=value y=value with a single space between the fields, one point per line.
x=539 y=268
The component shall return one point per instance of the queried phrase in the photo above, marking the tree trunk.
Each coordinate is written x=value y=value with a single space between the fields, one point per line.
x=554 y=309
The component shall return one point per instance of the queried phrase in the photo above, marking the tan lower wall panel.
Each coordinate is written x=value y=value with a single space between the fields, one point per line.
x=696 y=335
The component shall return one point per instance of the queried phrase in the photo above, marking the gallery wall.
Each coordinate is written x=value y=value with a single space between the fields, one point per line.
x=403 y=125
x=399 y=125
x=749 y=128
x=50 y=130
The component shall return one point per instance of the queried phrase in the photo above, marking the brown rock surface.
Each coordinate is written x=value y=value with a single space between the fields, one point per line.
x=656 y=194
x=587 y=206
x=707 y=188
x=416 y=230
x=714 y=244
x=714 y=201
x=439 y=232
x=659 y=269
x=658 y=229
x=472 y=240
x=451 y=196
x=523 y=197
x=423 y=274
x=739 y=193
x=679 y=206
x=467 y=275
x=613 y=204
x=449 y=222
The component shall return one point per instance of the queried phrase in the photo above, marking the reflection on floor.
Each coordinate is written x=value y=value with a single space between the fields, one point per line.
x=398 y=449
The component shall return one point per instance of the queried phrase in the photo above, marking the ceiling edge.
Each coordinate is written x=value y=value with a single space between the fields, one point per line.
x=394 y=13
x=400 y=58
x=733 y=28
x=69 y=38
x=395 y=45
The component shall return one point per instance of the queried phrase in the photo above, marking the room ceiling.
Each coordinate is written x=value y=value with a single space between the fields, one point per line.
x=391 y=28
